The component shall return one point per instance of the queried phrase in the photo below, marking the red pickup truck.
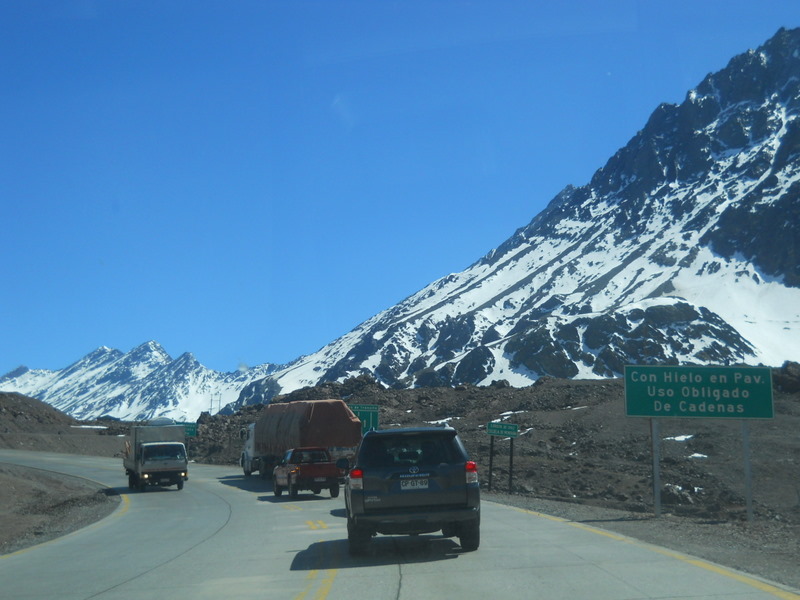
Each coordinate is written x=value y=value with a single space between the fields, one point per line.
x=309 y=468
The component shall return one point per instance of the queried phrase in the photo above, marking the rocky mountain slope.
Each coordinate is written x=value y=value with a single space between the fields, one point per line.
x=682 y=249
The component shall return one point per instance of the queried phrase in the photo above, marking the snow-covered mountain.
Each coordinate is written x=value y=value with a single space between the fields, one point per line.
x=142 y=384
x=682 y=249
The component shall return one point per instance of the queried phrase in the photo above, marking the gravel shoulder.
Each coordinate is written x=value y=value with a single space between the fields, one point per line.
x=37 y=506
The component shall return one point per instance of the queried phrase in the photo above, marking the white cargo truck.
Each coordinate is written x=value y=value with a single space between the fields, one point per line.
x=155 y=455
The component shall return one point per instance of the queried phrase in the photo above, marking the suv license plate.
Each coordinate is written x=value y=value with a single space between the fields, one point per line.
x=319 y=479
x=413 y=484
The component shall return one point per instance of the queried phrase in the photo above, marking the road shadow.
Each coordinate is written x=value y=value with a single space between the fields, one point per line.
x=383 y=550
x=150 y=489
x=264 y=486
x=301 y=497
x=254 y=483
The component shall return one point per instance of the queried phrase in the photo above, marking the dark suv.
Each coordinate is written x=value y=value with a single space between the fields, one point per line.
x=412 y=481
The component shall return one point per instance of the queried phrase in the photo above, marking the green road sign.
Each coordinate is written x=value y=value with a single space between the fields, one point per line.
x=189 y=429
x=720 y=392
x=503 y=429
x=368 y=414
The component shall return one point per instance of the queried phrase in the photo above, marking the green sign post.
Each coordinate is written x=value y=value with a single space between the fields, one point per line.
x=498 y=429
x=368 y=415
x=699 y=392
x=189 y=429
x=502 y=429
x=693 y=392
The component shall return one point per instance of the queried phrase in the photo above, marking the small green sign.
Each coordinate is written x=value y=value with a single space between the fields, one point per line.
x=503 y=429
x=189 y=429
x=678 y=391
x=367 y=414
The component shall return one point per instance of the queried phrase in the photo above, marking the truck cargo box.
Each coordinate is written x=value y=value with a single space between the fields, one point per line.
x=327 y=423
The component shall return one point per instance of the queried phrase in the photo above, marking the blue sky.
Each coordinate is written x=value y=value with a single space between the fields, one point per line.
x=249 y=180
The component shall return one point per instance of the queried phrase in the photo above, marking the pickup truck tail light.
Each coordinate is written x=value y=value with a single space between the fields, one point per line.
x=357 y=479
x=472 y=471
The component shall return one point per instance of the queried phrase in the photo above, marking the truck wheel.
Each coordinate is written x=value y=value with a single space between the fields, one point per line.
x=335 y=491
x=180 y=484
x=276 y=489
x=131 y=481
x=470 y=535
x=292 y=490
x=142 y=485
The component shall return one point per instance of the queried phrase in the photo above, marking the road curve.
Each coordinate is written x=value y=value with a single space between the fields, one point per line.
x=224 y=536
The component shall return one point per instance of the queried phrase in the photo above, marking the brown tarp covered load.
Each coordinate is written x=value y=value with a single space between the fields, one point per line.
x=327 y=423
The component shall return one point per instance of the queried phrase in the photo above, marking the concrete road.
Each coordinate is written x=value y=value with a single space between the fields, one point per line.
x=224 y=536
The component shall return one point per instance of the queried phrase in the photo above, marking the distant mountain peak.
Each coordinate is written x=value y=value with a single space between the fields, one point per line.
x=138 y=385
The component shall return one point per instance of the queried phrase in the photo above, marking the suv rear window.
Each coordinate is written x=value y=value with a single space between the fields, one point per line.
x=408 y=450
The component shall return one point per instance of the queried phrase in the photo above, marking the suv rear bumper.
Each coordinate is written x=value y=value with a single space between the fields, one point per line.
x=405 y=522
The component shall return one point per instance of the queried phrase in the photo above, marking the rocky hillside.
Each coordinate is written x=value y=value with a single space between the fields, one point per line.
x=577 y=444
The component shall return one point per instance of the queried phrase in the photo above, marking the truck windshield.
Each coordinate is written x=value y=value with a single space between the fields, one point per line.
x=165 y=452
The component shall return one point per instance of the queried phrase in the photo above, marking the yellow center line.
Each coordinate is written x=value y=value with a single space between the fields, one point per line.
x=327 y=583
x=312 y=576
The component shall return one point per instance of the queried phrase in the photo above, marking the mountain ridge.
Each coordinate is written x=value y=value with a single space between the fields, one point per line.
x=141 y=384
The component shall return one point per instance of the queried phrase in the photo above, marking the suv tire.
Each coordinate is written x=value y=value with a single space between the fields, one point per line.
x=470 y=535
x=358 y=539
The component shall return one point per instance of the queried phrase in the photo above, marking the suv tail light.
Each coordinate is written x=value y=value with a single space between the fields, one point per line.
x=472 y=471
x=357 y=479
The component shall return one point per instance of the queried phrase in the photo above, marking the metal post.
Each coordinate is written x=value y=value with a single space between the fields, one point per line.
x=510 y=464
x=491 y=460
x=748 y=475
x=655 y=434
